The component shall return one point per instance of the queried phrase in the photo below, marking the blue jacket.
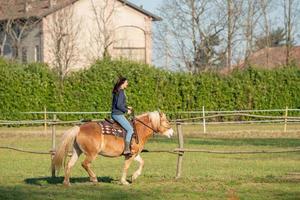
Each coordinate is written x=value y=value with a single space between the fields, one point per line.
x=119 y=106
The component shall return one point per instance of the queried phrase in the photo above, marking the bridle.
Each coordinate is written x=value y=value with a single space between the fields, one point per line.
x=155 y=131
x=136 y=119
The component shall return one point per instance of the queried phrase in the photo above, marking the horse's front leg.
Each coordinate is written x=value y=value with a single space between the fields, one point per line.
x=138 y=172
x=128 y=161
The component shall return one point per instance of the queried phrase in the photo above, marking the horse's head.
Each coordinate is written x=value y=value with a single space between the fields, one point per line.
x=161 y=124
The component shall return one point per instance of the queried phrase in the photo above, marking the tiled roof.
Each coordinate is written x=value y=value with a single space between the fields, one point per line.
x=39 y=8
x=30 y=8
x=274 y=57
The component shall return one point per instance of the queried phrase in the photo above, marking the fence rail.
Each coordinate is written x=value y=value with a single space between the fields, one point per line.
x=204 y=115
x=201 y=120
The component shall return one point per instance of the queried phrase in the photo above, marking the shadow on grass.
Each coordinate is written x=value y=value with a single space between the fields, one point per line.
x=58 y=180
x=82 y=191
x=275 y=142
x=288 y=178
x=279 y=142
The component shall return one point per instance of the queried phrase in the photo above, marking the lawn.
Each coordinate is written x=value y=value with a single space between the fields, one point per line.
x=204 y=176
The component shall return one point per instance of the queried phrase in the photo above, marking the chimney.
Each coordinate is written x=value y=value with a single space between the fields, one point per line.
x=28 y=6
x=52 y=3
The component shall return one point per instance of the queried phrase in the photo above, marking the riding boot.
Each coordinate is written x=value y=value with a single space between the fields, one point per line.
x=127 y=148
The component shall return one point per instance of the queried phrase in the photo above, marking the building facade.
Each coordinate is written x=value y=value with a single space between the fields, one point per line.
x=75 y=33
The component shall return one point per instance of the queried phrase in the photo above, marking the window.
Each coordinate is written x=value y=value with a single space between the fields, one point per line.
x=130 y=43
x=37 y=53
x=7 y=51
x=24 y=54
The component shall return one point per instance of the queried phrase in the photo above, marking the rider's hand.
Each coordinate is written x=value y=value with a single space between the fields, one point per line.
x=129 y=111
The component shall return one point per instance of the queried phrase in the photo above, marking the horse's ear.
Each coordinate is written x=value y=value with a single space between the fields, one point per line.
x=159 y=111
x=161 y=114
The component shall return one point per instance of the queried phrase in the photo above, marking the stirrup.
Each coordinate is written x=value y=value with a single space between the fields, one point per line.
x=127 y=153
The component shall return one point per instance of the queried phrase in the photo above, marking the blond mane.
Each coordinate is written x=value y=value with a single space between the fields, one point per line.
x=155 y=119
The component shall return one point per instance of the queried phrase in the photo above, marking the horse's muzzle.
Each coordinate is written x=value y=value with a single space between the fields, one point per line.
x=169 y=133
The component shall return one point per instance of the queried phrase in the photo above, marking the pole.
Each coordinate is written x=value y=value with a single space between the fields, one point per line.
x=180 y=155
x=203 y=114
x=285 y=118
x=45 y=120
x=53 y=144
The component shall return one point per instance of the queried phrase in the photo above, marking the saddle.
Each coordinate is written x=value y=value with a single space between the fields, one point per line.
x=111 y=127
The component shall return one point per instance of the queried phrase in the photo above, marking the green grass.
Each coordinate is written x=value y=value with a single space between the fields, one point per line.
x=204 y=176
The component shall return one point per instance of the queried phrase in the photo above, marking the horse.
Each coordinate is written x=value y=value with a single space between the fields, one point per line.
x=89 y=139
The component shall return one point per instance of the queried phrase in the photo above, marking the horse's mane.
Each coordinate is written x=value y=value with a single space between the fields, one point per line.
x=154 y=118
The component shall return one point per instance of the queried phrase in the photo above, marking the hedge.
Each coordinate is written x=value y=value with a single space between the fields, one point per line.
x=32 y=87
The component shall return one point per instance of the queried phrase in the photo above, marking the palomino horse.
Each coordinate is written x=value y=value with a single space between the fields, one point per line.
x=88 y=139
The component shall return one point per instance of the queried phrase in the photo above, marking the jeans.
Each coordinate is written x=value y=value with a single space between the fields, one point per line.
x=121 y=119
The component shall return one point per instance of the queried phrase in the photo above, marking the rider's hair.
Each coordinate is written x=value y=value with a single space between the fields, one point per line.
x=118 y=84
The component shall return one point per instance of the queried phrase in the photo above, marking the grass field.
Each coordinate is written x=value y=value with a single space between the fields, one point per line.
x=204 y=176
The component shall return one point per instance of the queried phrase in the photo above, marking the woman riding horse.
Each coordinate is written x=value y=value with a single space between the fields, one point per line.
x=119 y=108
x=90 y=140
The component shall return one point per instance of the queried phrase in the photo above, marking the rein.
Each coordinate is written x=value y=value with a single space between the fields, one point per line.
x=145 y=124
x=136 y=119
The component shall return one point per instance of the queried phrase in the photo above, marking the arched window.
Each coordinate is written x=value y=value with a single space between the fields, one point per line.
x=130 y=43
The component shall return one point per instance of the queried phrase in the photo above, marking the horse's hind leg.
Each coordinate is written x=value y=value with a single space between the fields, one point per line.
x=138 y=172
x=75 y=155
x=86 y=164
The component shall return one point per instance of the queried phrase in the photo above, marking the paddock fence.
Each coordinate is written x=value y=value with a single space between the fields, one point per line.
x=200 y=118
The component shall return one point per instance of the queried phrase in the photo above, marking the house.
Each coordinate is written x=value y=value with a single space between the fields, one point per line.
x=273 y=57
x=71 y=34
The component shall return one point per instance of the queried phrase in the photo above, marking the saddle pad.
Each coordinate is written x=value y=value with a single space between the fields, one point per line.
x=112 y=129
x=115 y=129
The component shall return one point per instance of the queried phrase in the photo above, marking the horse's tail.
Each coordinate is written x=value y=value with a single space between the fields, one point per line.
x=62 y=150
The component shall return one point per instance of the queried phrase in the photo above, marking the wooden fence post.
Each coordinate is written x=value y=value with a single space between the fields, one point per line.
x=45 y=120
x=285 y=118
x=204 y=125
x=180 y=154
x=53 y=145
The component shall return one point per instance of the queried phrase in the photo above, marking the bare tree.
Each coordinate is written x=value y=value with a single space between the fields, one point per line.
x=265 y=6
x=16 y=26
x=102 y=37
x=232 y=14
x=3 y=36
x=188 y=26
x=290 y=13
x=250 y=22
x=64 y=32
x=18 y=29
x=230 y=31
x=276 y=38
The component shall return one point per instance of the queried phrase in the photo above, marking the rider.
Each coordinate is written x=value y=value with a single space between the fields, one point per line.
x=119 y=108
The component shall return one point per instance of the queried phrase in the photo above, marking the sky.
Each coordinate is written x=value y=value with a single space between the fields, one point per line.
x=150 y=5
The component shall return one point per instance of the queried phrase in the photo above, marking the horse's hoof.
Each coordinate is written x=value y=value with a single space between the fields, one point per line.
x=134 y=177
x=94 y=180
x=125 y=182
x=66 y=183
